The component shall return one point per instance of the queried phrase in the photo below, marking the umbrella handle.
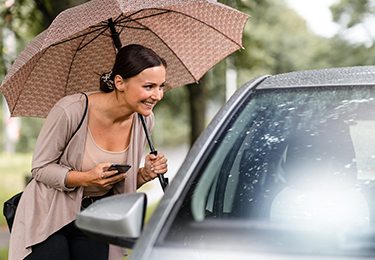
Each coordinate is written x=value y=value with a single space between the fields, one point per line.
x=163 y=181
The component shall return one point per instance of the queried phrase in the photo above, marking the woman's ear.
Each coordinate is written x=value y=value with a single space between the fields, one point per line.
x=119 y=83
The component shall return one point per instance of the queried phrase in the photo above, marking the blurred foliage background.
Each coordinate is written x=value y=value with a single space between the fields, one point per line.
x=276 y=40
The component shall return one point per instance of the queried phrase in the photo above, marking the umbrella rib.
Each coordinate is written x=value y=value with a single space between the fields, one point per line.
x=200 y=21
x=132 y=27
x=170 y=50
x=121 y=18
x=102 y=32
x=11 y=111
x=71 y=64
x=82 y=35
x=165 y=11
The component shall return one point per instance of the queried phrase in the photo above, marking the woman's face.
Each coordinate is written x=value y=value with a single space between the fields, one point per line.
x=143 y=91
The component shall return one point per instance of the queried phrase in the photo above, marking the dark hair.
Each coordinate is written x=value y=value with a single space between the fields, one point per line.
x=130 y=61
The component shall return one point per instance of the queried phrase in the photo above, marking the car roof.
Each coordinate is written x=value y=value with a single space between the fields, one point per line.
x=362 y=75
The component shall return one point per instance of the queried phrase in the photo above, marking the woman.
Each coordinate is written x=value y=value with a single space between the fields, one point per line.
x=71 y=172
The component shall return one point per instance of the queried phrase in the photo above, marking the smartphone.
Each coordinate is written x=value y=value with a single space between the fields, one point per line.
x=121 y=168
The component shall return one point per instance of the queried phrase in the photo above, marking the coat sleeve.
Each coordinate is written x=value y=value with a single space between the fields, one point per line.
x=50 y=145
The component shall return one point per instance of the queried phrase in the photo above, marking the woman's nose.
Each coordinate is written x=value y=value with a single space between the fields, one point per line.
x=158 y=94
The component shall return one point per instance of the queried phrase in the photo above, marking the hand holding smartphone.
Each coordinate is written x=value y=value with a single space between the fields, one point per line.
x=121 y=168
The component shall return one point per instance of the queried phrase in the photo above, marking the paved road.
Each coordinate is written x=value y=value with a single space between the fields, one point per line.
x=153 y=190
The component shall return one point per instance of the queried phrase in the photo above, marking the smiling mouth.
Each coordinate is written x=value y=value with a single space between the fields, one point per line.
x=148 y=104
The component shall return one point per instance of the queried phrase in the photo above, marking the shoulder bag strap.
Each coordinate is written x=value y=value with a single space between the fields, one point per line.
x=80 y=123
x=83 y=118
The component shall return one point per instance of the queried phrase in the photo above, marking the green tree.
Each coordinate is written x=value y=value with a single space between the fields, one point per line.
x=276 y=40
x=27 y=18
x=355 y=14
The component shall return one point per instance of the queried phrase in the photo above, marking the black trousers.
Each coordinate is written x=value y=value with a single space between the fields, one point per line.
x=69 y=243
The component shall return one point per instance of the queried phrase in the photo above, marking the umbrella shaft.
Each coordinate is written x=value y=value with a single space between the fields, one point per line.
x=163 y=181
x=147 y=134
x=114 y=34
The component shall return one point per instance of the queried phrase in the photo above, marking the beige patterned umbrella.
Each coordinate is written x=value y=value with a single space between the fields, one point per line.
x=80 y=44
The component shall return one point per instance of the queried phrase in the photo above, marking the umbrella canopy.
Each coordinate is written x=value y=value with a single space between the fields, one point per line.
x=80 y=44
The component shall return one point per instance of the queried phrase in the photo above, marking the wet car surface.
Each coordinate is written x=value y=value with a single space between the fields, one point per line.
x=286 y=170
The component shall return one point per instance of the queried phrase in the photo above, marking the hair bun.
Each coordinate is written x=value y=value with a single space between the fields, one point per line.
x=106 y=78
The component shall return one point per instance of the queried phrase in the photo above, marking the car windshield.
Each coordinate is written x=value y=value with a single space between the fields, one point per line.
x=291 y=166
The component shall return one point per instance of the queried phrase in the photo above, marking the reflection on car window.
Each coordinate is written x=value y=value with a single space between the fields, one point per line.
x=344 y=207
x=307 y=140
x=303 y=156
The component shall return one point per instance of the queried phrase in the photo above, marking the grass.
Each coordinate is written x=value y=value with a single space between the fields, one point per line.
x=4 y=254
x=13 y=172
x=14 y=168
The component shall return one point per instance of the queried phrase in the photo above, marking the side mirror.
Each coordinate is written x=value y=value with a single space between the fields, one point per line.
x=115 y=220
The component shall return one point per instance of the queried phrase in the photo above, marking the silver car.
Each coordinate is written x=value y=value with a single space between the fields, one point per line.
x=286 y=170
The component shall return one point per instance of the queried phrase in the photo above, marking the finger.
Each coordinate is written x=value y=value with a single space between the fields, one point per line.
x=110 y=173
x=114 y=180
x=160 y=168
x=161 y=171
x=106 y=174
x=111 y=180
x=160 y=156
x=161 y=161
x=152 y=157
x=117 y=176
x=104 y=166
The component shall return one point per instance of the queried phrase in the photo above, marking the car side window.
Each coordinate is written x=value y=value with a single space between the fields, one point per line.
x=299 y=139
x=285 y=157
x=215 y=193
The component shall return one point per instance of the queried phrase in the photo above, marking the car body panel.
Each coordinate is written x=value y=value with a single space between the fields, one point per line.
x=362 y=75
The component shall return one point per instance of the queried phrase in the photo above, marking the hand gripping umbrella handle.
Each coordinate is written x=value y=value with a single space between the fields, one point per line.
x=163 y=181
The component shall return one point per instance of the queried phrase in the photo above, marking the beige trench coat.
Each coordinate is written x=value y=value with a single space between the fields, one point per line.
x=47 y=204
